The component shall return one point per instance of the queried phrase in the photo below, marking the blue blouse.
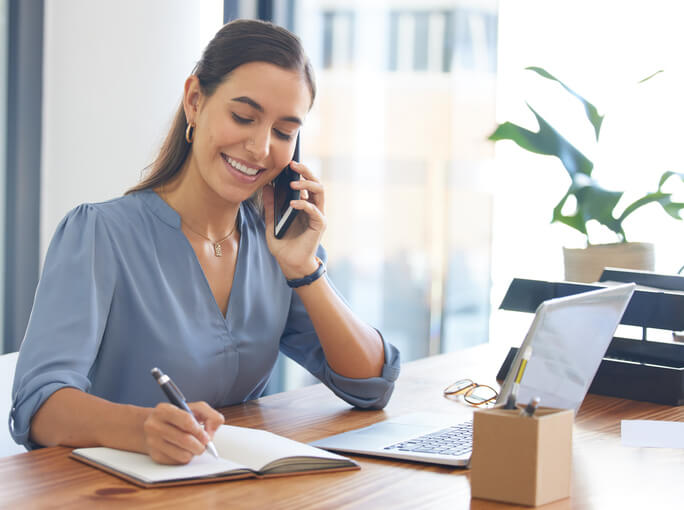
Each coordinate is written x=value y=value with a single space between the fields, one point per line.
x=122 y=291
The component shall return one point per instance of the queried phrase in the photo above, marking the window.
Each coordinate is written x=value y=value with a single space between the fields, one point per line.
x=338 y=39
x=397 y=134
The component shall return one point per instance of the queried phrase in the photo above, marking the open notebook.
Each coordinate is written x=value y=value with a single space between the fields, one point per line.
x=568 y=338
x=243 y=453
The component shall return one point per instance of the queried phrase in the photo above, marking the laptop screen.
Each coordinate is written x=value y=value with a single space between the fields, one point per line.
x=568 y=338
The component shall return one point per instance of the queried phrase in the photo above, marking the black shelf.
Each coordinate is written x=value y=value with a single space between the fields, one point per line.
x=636 y=369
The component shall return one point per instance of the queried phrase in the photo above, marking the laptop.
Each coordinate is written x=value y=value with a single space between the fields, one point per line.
x=567 y=340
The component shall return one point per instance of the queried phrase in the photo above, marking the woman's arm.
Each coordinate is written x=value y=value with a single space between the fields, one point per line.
x=70 y=312
x=352 y=348
x=70 y=417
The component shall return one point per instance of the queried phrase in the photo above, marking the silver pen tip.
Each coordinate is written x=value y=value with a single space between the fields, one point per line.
x=212 y=449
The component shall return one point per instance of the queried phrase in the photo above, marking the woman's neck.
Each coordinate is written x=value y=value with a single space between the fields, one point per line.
x=198 y=205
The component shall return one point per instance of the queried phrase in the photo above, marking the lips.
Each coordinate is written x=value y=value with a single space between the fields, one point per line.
x=241 y=167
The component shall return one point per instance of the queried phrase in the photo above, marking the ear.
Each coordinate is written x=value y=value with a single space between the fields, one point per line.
x=191 y=98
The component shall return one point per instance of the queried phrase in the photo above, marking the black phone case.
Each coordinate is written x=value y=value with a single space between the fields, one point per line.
x=282 y=195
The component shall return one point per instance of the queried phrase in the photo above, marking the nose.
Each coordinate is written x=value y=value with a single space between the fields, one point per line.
x=258 y=145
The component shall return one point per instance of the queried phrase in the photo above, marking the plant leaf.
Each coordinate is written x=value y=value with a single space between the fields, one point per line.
x=596 y=203
x=545 y=141
x=674 y=209
x=666 y=176
x=590 y=110
x=651 y=76
x=664 y=199
x=575 y=221
x=593 y=203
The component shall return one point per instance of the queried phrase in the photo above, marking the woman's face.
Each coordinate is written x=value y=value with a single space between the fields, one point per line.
x=245 y=132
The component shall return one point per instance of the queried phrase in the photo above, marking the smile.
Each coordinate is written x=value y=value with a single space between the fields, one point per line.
x=240 y=167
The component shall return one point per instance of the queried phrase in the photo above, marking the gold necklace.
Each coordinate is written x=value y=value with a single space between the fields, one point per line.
x=218 y=250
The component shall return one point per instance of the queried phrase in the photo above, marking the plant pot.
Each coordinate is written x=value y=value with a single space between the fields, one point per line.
x=587 y=264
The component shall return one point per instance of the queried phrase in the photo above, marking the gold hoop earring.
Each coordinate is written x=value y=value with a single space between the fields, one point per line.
x=190 y=133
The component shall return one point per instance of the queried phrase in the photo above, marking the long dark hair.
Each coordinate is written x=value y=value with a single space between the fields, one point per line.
x=236 y=43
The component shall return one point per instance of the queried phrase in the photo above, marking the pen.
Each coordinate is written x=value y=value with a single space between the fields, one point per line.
x=173 y=393
x=531 y=407
x=513 y=397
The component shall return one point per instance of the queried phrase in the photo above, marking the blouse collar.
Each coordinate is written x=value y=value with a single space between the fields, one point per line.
x=160 y=208
x=167 y=214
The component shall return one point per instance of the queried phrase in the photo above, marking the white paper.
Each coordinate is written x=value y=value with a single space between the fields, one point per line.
x=653 y=433
x=142 y=467
x=238 y=443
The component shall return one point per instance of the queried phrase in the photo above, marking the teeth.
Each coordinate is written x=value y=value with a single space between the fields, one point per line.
x=242 y=168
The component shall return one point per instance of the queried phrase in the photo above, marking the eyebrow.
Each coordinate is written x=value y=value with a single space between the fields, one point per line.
x=251 y=102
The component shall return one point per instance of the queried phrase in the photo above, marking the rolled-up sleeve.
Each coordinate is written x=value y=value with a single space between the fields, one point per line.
x=68 y=317
x=300 y=343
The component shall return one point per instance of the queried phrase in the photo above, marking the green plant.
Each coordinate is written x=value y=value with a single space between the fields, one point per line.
x=592 y=201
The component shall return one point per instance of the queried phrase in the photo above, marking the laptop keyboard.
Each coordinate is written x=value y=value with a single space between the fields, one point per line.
x=456 y=440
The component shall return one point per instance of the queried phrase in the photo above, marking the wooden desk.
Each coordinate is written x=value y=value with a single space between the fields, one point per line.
x=605 y=474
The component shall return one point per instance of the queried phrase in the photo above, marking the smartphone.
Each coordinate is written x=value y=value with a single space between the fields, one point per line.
x=284 y=214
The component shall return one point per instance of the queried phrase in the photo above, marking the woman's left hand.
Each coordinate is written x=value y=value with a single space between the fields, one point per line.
x=296 y=251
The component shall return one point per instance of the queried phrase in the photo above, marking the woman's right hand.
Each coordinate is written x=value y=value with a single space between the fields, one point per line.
x=172 y=436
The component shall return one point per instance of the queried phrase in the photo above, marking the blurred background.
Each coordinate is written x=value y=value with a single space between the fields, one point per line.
x=428 y=221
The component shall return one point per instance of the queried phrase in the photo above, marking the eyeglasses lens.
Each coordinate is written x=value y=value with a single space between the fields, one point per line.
x=458 y=387
x=480 y=395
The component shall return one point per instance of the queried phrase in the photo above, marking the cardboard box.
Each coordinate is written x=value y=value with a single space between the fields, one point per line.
x=520 y=459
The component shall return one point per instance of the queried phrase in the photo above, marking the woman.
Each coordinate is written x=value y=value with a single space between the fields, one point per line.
x=184 y=273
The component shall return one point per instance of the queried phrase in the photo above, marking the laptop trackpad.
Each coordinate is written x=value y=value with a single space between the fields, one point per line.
x=389 y=432
x=375 y=436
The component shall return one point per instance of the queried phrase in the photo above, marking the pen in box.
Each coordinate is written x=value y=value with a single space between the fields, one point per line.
x=530 y=409
x=513 y=397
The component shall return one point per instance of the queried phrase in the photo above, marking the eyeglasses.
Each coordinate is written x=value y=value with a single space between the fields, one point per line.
x=473 y=393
